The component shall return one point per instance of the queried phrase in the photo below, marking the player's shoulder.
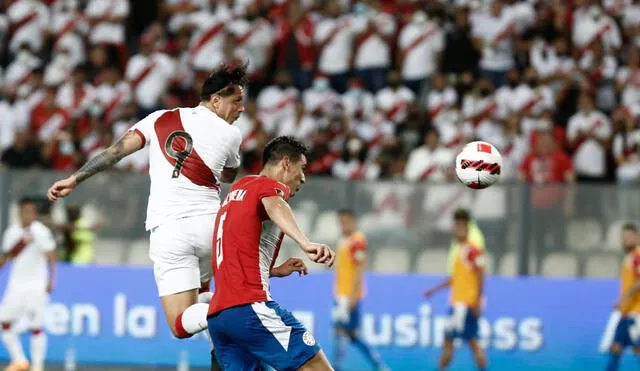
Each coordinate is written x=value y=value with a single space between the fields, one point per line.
x=39 y=227
x=358 y=236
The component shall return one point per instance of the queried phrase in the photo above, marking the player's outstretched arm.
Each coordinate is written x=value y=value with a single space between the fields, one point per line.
x=442 y=285
x=280 y=213
x=129 y=143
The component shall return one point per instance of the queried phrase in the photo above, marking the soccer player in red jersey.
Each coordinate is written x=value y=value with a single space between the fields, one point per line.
x=246 y=325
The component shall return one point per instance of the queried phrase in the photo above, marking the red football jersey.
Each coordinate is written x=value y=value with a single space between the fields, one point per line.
x=245 y=243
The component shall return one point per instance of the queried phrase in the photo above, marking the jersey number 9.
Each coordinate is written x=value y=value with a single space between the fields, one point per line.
x=178 y=146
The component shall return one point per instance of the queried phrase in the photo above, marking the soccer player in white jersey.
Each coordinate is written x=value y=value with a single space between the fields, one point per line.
x=191 y=150
x=29 y=245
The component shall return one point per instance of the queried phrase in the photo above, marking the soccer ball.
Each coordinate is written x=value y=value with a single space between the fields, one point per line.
x=478 y=165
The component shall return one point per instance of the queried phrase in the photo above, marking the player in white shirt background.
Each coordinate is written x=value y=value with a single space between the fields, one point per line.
x=191 y=150
x=29 y=246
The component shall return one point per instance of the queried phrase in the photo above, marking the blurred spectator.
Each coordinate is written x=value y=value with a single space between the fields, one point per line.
x=460 y=53
x=394 y=100
x=294 y=43
x=255 y=36
x=420 y=43
x=628 y=80
x=69 y=29
x=626 y=149
x=494 y=31
x=547 y=168
x=28 y=24
x=431 y=162
x=107 y=24
x=276 y=103
x=79 y=238
x=372 y=51
x=300 y=127
x=23 y=153
x=149 y=73
x=589 y=135
x=334 y=39
x=321 y=100
x=358 y=104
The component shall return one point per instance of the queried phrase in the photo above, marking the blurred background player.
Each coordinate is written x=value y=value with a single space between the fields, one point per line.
x=627 y=330
x=351 y=261
x=30 y=246
x=476 y=237
x=467 y=287
x=246 y=325
x=191 y=151
x=79 y=237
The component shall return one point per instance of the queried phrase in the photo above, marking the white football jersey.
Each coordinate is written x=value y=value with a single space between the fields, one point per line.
x=29 y=266
x=188 y=149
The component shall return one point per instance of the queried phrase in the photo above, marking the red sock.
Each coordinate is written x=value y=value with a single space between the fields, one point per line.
x=181 y=333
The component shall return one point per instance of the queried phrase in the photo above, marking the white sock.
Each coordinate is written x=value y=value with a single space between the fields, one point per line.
x=205 y=297
x=14 y=347
x=194 y=318
x=38 y=350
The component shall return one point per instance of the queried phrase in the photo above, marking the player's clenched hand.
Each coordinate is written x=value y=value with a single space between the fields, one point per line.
x=291 y=265
x=62 y=188
x=320 y=253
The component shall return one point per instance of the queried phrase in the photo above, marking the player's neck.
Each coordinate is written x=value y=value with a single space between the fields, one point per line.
x=272 y=172
x=208 y=106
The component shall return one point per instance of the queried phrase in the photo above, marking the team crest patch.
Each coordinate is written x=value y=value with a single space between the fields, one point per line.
x=308 y=339
x=280 y=192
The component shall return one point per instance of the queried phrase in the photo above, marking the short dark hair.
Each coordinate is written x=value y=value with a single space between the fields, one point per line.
x=223 y=80
x=345 y=211
x=284 y=146
x=27 y=200
x=462 y=215
x=630 y=227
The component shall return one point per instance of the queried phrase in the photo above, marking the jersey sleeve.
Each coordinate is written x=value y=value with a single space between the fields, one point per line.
x=233 y=156
x=10 y=239
x=145 y=127
x=271 y=188
x=476 y=257
x=636 y=266
x=46 y=241
x=358 y=250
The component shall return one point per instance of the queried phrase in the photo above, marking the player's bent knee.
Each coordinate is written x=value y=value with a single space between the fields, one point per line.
x=319 y=362
x=615 y=349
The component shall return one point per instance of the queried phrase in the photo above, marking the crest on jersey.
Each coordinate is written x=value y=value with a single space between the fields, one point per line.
x=308 y=339
x=280 y=192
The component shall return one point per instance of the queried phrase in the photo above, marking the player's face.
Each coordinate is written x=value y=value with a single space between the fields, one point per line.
x=230 y=107
x=28 y=214
x=347 y=223
x=629 y=239
x=461 y=229
x=294 y=174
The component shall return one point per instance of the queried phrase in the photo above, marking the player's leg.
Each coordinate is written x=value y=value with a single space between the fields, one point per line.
x=177 y=275
x=10 y=311
x=275 y=337
x=621 y=339
x=471 y=334
x=447 y=354
x=479 y=355
x=229 y=354
x=38 y=344
x=370 y=354
x=341 y=343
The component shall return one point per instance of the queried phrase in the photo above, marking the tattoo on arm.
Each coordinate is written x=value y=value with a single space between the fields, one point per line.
x=108 y=157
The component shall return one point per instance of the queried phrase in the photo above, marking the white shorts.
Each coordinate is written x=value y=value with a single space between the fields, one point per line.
x=30 y=304
x=181 y=253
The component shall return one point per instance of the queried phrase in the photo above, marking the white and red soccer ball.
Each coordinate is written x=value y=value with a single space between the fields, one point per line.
x=478 y=165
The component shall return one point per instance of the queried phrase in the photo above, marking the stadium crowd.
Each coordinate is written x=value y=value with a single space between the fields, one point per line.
x=378 y=89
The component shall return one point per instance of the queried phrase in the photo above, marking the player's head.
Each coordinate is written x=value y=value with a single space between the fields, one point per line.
x=285 y=160
x=28 y=211
x=461 y=219
x=347 y=221
x=629 y=236
x=223 y=91
x=73 y=212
